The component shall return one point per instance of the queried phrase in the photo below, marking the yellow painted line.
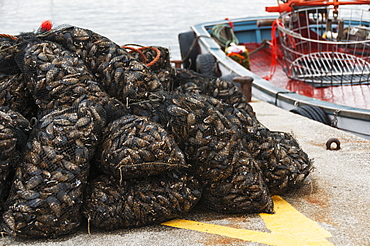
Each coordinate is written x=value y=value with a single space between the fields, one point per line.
x=287 y=227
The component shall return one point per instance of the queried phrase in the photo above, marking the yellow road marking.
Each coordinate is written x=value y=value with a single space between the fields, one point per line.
x=287 y=227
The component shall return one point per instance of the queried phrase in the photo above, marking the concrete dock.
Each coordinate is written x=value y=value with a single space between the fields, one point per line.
x=332 y=208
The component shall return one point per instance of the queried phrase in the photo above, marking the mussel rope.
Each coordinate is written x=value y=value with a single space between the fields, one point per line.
x=139 y=50
x=8 y=36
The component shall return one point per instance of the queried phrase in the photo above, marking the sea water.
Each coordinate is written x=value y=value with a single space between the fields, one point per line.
x=142 y=22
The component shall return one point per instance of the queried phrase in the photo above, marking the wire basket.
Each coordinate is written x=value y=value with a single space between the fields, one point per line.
x=325 y=47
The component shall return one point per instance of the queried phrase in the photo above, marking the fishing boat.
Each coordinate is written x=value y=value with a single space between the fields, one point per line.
x=311 y=57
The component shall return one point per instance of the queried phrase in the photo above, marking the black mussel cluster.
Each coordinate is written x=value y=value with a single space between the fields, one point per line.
x=188 y=81
x=13 y=137
x=136 y=202
x=47 y=189
x=15 y=95
x=117 y=136
x=158 y=59
x=119 y=73
x=134 y=147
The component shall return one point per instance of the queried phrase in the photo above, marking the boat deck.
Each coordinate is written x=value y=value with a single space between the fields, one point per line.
x=348 y=95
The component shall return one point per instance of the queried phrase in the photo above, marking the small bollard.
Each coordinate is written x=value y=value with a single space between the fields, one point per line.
x=245 y=85
x=177 y=63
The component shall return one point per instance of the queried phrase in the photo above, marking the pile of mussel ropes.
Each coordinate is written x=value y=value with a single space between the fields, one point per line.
x=116 y=136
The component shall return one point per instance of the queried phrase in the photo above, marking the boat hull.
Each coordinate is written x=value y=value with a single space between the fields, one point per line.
x=351 y=119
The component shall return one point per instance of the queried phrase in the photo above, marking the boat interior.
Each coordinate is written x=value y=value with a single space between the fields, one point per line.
x=315 y=52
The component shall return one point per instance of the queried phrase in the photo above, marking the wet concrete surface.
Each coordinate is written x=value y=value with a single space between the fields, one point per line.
x=336 y=196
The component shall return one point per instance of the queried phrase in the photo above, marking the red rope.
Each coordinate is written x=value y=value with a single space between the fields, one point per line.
x=238 y=55
x=8 y=36
x=230 y=23
x=158 y=55
x=135 y=50
x=274 y=48
x=139 y=50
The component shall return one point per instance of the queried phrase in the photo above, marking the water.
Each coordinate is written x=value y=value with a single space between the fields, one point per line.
x=144 y=22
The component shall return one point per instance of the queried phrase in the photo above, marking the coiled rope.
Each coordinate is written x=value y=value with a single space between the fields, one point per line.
x=140 y=51
x=132 y=49
x=224 y=35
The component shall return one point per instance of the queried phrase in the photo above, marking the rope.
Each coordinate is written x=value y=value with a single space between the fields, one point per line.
x=192 y=46
x=139 y=50
x=263 y=45
x=274 y=48
x=238 y=55
x=136 y=50
x=8 y=36
x=231 y=24
x=223 y=35
x=158 y=55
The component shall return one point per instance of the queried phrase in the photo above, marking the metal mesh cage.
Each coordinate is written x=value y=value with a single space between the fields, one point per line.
x=324 y=46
